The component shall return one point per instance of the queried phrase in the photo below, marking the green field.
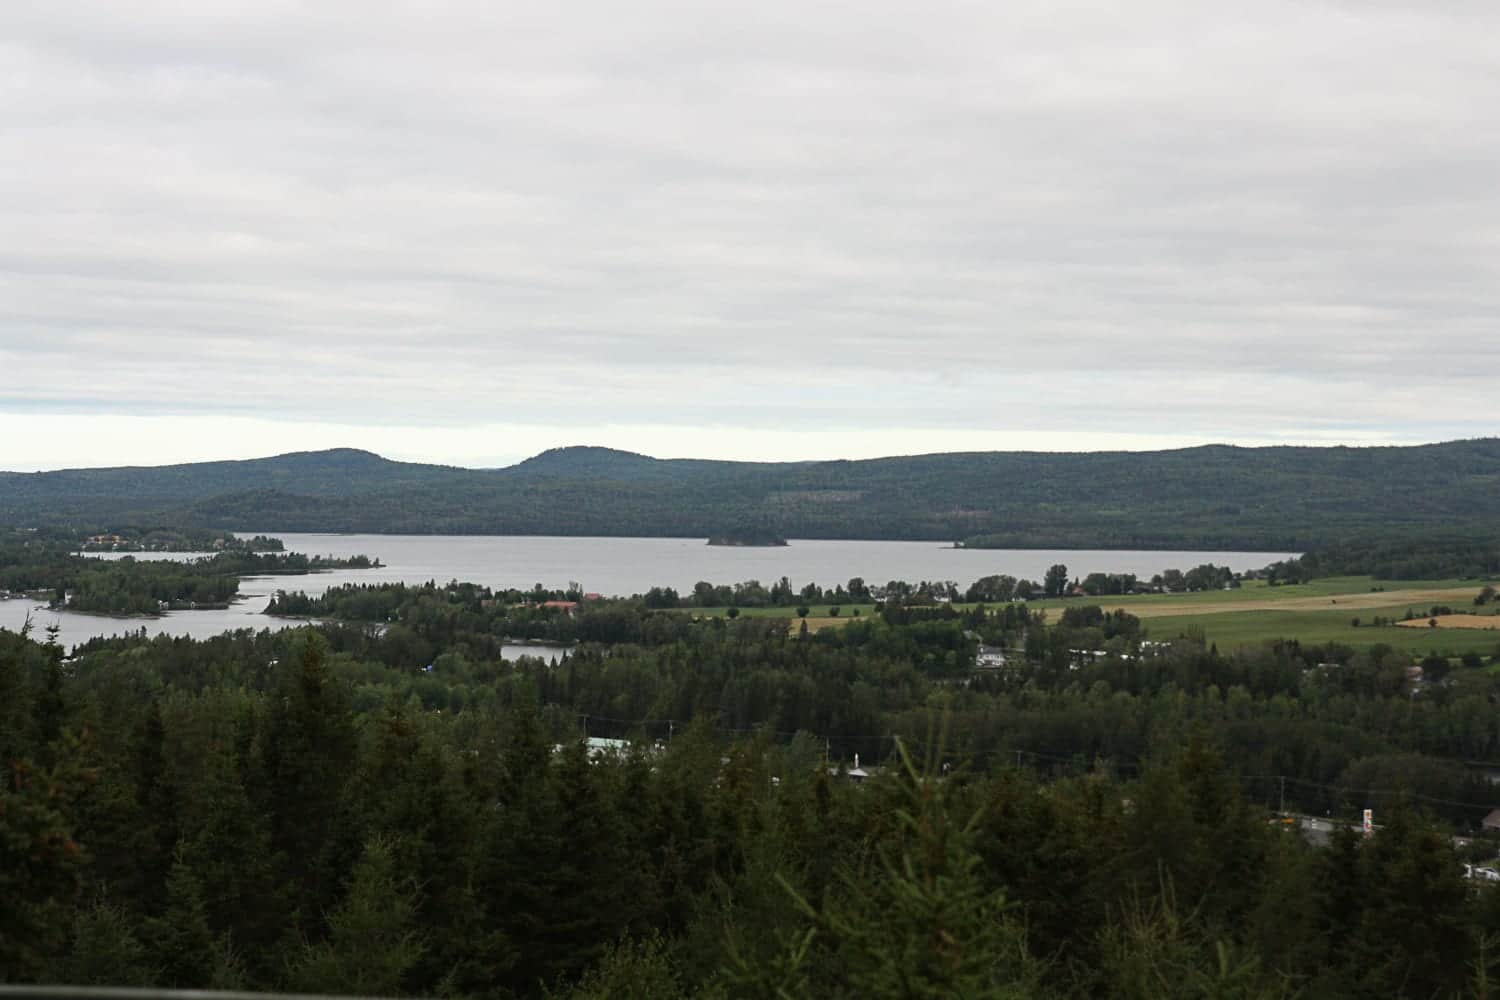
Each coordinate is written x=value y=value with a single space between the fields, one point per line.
x=1232 y=629
x=1318 y=612
x=1257 y=613
x=1256 y=591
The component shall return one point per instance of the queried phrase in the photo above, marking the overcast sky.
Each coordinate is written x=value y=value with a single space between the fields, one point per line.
x=468 y=231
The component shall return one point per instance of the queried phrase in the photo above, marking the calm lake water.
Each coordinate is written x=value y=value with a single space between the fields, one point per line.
x=617 y=566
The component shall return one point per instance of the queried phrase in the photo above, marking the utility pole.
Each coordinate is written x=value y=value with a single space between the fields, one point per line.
x=1283 y=793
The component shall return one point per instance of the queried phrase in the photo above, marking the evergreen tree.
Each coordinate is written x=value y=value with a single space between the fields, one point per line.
x=228 y=851
x=105 y=951
x=373 y=942
x=1412 y=938
x=156 y=798
x=40 y=862
x=631 y=970
x=910 y=916
x=306 y=754
x=181 y=944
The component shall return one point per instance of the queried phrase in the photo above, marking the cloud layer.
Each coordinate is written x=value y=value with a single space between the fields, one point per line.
x=1164 y=220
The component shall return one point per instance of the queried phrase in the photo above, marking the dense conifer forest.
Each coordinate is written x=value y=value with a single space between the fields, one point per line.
x=1217 y=497
x=851 y=812
x=1399 y=556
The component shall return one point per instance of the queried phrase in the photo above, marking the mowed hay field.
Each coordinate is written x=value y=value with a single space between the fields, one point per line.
x=814 y=624
x=1319 y=612
x=1232 y=630
x=1350 y=593
x=1414 y=597
x=1480 y=622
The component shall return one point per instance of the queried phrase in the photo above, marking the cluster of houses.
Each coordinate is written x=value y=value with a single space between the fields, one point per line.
x=599 y=748
x=998 y=658
x=569 y=608
x=104 y=541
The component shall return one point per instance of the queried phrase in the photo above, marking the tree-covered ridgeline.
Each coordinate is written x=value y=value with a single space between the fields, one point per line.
x=51 y=569
x=1215 y=497
x=400 y=811
x=1401 y=557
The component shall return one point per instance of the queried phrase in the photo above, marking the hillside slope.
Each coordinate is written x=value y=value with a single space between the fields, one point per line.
x=1209 y=497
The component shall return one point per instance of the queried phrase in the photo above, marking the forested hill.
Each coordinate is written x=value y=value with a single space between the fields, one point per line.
x=1208 y=497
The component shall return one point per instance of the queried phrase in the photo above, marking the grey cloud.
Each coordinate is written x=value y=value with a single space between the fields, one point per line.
x=1014 y=216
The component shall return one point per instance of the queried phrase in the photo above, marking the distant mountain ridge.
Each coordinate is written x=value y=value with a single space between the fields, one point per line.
x=1216 y=496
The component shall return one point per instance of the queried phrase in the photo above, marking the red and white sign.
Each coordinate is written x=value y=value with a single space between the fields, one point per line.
x=1369 y=822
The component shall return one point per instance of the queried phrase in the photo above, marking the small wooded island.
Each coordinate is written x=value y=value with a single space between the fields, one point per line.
x=747 y=537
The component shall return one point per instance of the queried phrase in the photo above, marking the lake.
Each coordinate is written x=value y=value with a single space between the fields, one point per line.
x=616 y=566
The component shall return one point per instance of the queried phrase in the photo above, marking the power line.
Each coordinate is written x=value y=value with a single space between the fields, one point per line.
x=1025 y=754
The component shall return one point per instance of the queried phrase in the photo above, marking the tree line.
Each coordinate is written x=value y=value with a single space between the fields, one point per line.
x=49 y=568
x=1407 y=556
x=1267 y=499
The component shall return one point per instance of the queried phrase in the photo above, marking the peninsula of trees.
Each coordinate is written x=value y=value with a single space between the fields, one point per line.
x=47 y=567
x=1216 y=497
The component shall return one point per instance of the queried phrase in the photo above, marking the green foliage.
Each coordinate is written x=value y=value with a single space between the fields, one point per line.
x=1427 y=555
x=1151 y=952
x=1215 y=497
x=909 y=916
x=41 y=865
x=180 y=940
x=372 y=943
x=630 y=970
x=105 y=950
x=317 y=809
x=128 y=586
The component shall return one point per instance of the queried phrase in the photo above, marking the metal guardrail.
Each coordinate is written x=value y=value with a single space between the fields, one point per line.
x=22 y=992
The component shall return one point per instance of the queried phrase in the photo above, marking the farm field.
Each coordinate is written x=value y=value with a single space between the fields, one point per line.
x=1233 y=629
x=1488 y=622
x=1318 y=612
x=1355 y=592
